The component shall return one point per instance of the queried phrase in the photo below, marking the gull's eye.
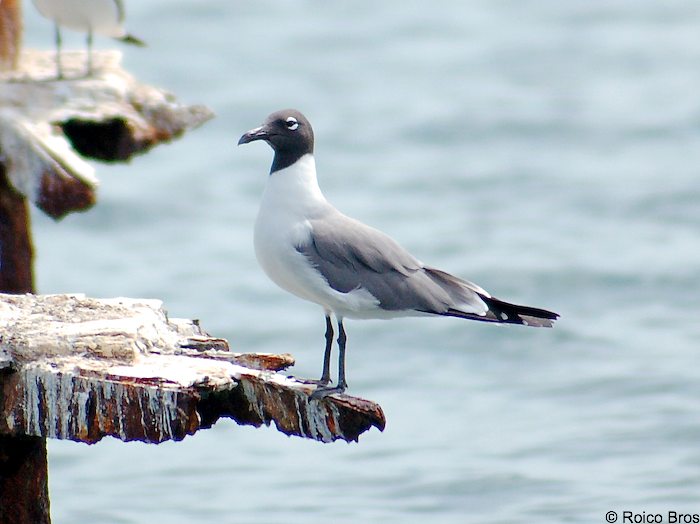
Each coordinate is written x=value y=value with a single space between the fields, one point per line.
x=292 y=123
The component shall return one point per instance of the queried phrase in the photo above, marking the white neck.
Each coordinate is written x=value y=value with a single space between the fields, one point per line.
x=295 y=188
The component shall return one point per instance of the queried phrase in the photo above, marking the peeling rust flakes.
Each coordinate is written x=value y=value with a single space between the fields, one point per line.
x=360 y=413
x=331 y=420
x=140 y=381
x=60 y=194
x=263 y=361
x=294 y=413
x=206 y=343
x=61 y=405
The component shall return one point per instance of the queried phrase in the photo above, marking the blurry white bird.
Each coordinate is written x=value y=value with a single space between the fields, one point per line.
x=104 y=17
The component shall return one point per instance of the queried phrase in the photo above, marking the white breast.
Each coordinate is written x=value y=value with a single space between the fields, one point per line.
x=102 y=16
x=290 y=195
x=290 y=199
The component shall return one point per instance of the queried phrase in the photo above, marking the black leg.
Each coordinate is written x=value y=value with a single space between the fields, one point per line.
x=89 y=51
x=341 y=356
x=59 y=67
x=326 y=376
x=322 y=392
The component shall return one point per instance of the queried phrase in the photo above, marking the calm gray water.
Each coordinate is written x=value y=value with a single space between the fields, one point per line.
x=547 y=150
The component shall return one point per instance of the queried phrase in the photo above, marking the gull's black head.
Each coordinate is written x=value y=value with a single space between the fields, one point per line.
x=289 y=134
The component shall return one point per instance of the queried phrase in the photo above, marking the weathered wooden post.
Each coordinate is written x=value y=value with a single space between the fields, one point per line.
x=77 y=368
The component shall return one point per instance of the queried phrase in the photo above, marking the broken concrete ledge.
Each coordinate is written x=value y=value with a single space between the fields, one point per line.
x=80 y=368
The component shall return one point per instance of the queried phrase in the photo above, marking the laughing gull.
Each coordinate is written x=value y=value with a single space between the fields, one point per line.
x=104 y=17
x=309 y=248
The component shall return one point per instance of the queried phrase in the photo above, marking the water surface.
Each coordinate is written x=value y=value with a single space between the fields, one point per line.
x=546 y=150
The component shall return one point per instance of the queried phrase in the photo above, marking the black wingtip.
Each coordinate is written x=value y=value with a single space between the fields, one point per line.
x=508 y=313
x=501 y=312
x=132 y=40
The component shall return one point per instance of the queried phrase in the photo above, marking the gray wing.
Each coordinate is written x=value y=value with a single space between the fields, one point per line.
x=351 y=255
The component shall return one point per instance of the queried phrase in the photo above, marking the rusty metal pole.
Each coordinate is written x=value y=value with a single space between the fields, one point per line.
x=24 y=485
x=24 y=481
x=16 y=253
x=10 y=33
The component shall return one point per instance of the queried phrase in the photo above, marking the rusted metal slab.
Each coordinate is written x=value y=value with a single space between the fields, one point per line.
x=82 y=369
x=48 y=125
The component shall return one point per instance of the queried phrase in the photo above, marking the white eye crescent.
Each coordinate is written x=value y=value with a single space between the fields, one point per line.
x=292 y=123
